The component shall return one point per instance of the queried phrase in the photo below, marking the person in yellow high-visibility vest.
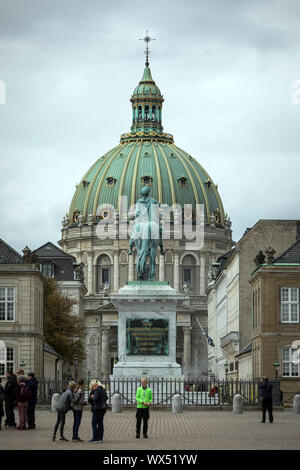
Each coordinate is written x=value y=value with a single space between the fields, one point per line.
x=144 y=400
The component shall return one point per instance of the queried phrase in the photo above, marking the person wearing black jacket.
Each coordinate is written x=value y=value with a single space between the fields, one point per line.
x=266 y=394
x=9 y=398
x=97 y=399
x=32 y=384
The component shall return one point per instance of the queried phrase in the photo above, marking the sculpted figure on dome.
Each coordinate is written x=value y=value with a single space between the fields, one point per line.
x=146 y=234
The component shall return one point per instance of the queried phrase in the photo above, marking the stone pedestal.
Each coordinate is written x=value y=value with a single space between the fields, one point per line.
x=147 y=331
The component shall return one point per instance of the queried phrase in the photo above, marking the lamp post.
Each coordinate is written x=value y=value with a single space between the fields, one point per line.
x=226 y=369
x=276 y=367
x=75 y=360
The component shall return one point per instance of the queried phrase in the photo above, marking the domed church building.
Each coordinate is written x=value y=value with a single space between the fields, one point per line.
x=144 y=156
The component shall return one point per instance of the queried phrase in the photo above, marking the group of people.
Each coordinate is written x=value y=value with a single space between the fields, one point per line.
x=22 y=392
x=73 y=399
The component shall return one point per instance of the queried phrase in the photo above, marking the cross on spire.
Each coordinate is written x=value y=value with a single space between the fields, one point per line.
x=147 y=39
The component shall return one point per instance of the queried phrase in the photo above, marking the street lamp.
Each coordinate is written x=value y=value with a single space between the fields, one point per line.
x=226 y=368
x=75 y=360
x=276 y=367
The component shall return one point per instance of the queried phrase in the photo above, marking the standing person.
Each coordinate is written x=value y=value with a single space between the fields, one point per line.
x=32 y=384
x=63 y=406
x=9 y=398
x=1 y=402
x=78 y=403
x=266 y=393
x=97 y=398
x=23 y=396
x=144 y=400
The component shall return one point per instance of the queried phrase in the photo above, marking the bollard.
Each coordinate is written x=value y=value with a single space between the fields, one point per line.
x=177 y=403
x=296 y=404
x=54 y=402
x=237 y=403
x=116 y=403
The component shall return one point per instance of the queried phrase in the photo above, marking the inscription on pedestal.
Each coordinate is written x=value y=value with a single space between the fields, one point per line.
x=147 y=336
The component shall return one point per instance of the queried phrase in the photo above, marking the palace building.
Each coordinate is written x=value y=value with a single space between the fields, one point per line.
x=144 y=156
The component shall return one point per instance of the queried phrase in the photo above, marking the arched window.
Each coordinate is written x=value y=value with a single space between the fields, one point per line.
x=153 y=113
x=147 y=113
x=103 y=272
x=188 y=272
x=139 y=113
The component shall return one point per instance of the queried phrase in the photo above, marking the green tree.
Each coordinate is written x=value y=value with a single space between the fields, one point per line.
x=62 y=329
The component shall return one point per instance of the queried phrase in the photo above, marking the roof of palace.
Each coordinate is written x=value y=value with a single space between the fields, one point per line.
x=145 y=156
x=8 y=255
x=291 y=255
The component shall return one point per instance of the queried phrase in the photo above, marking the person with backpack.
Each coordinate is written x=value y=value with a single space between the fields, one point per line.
x=63 y=406
x=23 y=396
x=97 y=399
x=9 y=398
x=32 y=384
x=1 y=402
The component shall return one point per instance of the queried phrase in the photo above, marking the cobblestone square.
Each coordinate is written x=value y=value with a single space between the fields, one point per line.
x=192 y=430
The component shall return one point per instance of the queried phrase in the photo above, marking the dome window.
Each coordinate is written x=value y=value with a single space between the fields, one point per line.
x=110 y=181
x=153 y=113
x=75 y=216
x=147 y=113
x=208 y=183
x=182 y=181
x=147 y=180
x=172 y=155
x=147 y=155
x=85 y=183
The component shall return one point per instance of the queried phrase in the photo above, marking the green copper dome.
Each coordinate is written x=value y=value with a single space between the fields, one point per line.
x=145 y=156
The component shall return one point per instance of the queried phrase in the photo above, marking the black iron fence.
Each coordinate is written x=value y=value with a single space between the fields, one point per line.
x=193 y=393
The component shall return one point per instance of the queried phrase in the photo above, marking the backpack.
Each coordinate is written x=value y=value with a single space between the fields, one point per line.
x=25 y=393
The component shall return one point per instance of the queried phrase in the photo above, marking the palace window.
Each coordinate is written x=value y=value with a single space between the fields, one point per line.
x=6 y=360
x=47 y=269
x=290 y=368
x=289 y=305
x=7 y=303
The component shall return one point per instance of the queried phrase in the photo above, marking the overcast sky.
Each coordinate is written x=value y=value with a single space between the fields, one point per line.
x=225 y=68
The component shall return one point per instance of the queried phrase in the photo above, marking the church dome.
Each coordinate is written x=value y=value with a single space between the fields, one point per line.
x=145 y=156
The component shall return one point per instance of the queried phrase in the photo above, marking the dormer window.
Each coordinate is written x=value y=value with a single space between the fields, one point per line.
x=85 y=183
x=182 y=181
x=147 y=180
x=47 y=269
x=208 y=183
x=110 y=181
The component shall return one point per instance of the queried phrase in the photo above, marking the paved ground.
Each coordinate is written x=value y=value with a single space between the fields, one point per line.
x=193 y=430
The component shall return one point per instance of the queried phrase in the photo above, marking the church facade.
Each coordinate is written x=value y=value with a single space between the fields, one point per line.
x=95 y=232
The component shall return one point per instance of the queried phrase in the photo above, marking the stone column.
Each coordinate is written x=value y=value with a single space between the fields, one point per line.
x=90 y=274
x=116 y=271
x=161 y=267
x=202 y=273
x=176 y=271
x=187 y=330
x=105 y=360
x=130 y=268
